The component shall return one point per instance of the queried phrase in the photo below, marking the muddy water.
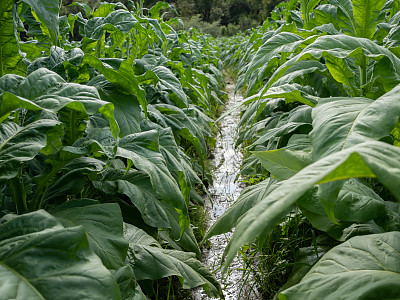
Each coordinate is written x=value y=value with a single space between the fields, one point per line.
x=224 y=192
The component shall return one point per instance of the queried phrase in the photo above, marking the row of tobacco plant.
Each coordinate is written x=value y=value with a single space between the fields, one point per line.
x=321 y=118
x=104 y=119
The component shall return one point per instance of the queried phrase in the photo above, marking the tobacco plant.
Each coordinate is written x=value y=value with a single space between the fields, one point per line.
x=321 y=117
x=103 y=141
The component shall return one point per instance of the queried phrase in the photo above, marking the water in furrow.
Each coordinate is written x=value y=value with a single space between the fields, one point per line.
x=224 y=192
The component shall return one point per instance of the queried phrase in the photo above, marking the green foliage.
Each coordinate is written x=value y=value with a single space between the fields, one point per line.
x=9 y=55
x=104 y=118
x=196 y=22
x=371 y=270
x=26 y=239
x=320 y=116
x=98 y=132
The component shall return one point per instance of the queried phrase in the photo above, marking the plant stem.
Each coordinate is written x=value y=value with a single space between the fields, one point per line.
x=169 y=286
x=43 y=197
x=363 y=74
x=98 y=48
x=19 y=195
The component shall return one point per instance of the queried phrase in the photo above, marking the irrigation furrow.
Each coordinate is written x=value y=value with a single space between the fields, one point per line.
x=224 y=191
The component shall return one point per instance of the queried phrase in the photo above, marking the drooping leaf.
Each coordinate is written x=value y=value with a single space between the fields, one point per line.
x=186 y=126
x=124 y=77
x=283 y=163
x=184 y=238
x=129 y=287
x=144 y=252
x=143 y=150
x=102 y=224
x=339 y=123
x=369 y=159
x=73 y=172
x=168 y=81
x=20 y=144
x=24 y=243
x=364 y=267
x=9 y=55
x=138 y=188
x=47 y=13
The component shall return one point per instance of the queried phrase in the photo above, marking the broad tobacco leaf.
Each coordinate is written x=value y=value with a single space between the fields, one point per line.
x=69 y=271
x=19 y=144
x=339 y=123
x=9 y=55
x=47 y=12
x=145 y=251
x=102 y=224
x=364 y=267
x=369 y=159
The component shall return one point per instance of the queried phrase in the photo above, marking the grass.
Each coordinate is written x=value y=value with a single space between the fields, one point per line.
x=166 y=289
x=270 y=260
x=199 y=220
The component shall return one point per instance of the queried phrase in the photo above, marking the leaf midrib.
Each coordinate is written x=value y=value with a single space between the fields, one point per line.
x=24 y=279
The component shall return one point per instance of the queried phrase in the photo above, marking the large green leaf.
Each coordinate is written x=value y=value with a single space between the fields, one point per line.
x=282 y=42
x=369 y=159
x=120 y=20
x=144 y=251
x=19 y=144
x=127 y=111
x=139 y=190
x=284 y=163
x=102 y=224
x=9 y=55
x=47 y=13
x=143 y=150
x=366 y=13
x=339 y=123
x=124 y=77
x=248 y=198
x=169 y=82
x=339 y=46
x=46 y=90
x=40 y=259
x=364 y=267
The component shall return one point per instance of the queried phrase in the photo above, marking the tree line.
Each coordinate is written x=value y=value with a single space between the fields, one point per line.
x=242 y=13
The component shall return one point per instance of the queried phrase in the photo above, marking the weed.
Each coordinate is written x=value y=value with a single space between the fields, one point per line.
x=269 y=262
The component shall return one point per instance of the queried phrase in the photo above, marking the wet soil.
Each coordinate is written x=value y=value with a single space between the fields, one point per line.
x=225 y=190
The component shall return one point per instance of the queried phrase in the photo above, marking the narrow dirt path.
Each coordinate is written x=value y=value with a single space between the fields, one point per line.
x=224 y=192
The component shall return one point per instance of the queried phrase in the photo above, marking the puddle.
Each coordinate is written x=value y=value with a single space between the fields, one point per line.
x=224 y=192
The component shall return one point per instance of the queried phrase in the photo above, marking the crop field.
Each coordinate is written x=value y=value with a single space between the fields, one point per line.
x=108 y=120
